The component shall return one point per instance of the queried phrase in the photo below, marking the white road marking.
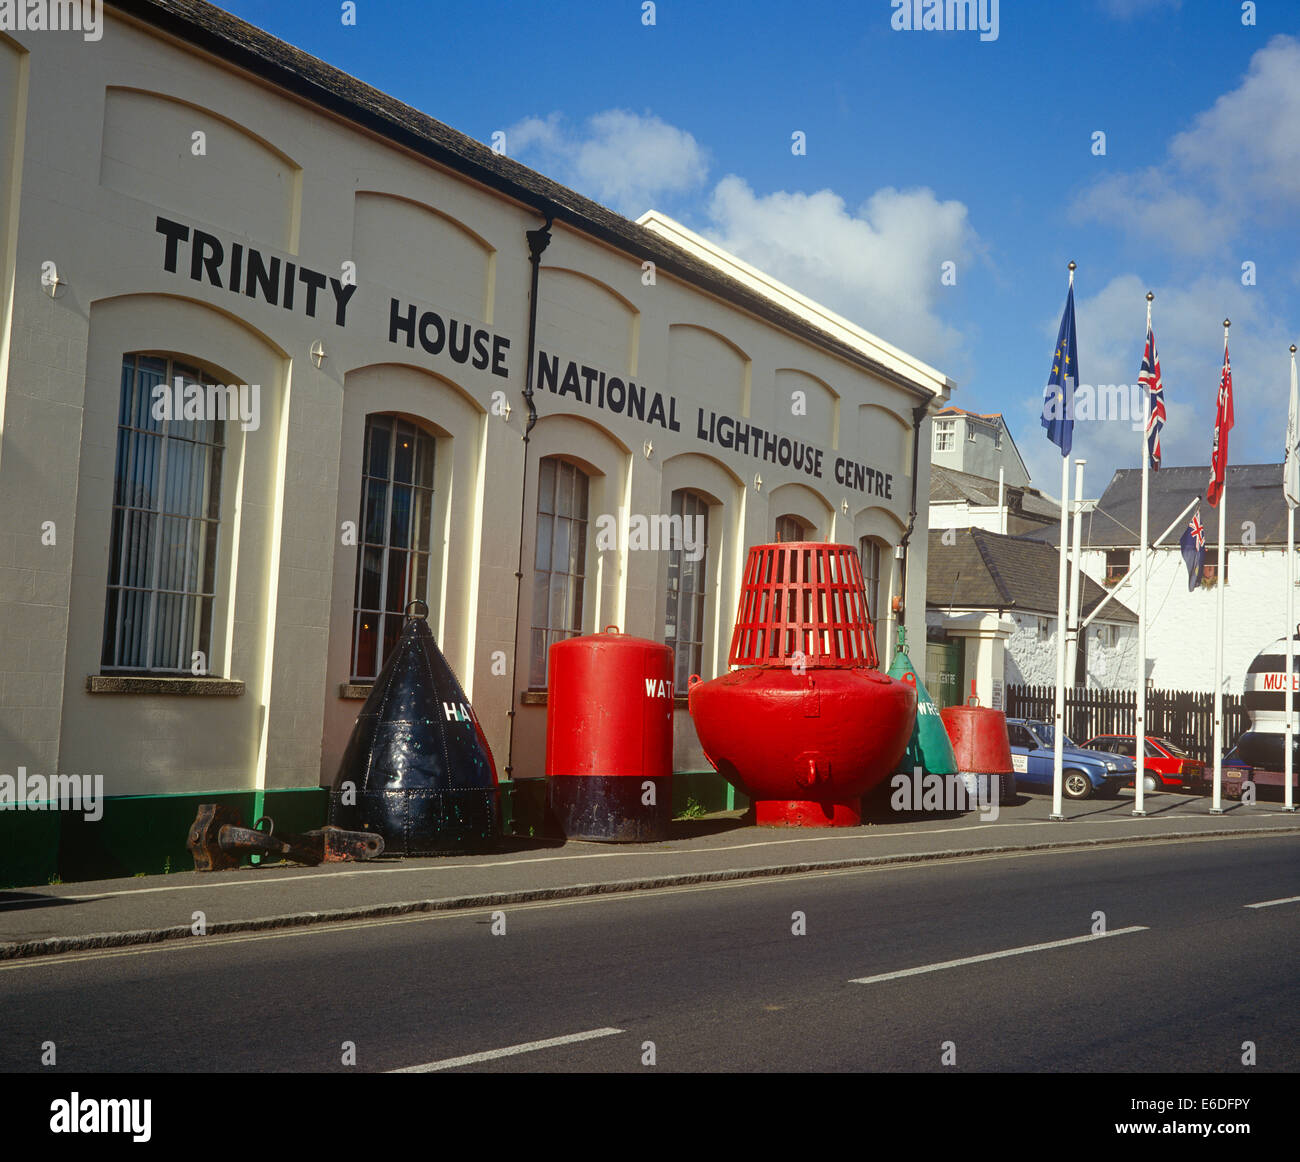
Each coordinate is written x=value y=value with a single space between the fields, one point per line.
x=995 y=955
x=1270 y=903
x=510 y=1051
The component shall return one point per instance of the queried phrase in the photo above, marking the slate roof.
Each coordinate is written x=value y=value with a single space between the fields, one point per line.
x=1254 y=493
x=947 y=485
x=206 y=27
x=984 y=570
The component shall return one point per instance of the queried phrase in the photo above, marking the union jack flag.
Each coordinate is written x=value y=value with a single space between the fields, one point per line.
x=1192 y=543
x=1149 y=378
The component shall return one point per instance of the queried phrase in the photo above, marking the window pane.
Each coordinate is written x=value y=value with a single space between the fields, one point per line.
x=367 y=643
x=379 y=436
x=396 y=581
x=545 y=534
x=371 y=574
x=376 y=508
x=399 y=529
x=546 y=486
x=404 y=454
x=424 y=460
x=564 y=489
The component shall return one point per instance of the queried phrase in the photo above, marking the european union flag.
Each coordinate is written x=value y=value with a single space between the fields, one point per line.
x=1058 y=395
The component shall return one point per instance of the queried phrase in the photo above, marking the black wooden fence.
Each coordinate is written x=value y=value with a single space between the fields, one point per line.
x=1182 y=716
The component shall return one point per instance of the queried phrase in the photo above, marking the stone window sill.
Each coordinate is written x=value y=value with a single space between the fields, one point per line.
x=190 y=687
x=355 y=691
x=532 y=698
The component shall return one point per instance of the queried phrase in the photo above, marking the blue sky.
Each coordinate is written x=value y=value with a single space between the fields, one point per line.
x=923 y=147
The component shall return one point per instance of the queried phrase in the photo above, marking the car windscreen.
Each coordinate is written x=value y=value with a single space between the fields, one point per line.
x=1047 y=735
x=1172 y=747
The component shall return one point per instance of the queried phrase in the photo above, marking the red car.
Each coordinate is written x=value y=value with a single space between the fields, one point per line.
x=1167 y=765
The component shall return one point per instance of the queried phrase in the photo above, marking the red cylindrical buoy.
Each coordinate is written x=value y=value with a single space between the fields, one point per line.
x=981 y=744
x=810 y=723
x=609 y=737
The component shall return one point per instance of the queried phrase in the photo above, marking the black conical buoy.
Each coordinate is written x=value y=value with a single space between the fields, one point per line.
x=417 y=768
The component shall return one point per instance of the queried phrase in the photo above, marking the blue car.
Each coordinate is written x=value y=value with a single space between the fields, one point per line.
x=1084 y=773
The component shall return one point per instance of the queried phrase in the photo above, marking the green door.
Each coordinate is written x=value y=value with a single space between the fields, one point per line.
x=943 y=669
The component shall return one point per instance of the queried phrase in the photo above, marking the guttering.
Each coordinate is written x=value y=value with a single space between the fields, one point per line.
x=538 y=241
x=918 y=417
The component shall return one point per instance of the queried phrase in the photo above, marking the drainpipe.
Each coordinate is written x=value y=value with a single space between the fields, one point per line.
x=900 y=553
x=538 y=240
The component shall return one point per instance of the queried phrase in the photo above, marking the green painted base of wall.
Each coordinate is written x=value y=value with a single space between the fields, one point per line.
x=146 y=834
x=136 y=835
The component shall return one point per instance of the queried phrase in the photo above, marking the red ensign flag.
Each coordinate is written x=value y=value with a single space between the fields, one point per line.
x=1222 y=426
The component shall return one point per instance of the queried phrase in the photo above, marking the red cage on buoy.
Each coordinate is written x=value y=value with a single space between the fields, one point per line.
x=810 y=723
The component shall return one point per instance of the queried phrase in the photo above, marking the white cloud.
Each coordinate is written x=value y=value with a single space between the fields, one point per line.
x=879 y=266
x=626 y=160
x=1242 y=155
x=1248 y=142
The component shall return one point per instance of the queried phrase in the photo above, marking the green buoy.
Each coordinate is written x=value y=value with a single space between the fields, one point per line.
x=930 y=748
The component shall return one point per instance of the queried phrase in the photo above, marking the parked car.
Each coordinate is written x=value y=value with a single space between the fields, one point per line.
x=1168 y=766
x=1084 y=773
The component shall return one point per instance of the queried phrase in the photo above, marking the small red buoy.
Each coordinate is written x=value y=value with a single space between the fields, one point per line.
x=979 y=738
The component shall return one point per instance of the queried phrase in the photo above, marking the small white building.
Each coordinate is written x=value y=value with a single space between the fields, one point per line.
x=1181 y=621
x=977 y=444
x=991 y=619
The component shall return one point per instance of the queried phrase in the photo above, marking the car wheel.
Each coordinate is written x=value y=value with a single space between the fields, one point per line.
x=1151 y=783
x=1076 y=785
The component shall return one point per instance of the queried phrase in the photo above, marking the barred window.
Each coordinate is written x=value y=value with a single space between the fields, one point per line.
x=791 y=528
x=166 y=519
x=684 y=621
x=559 y=566
x=393 y=553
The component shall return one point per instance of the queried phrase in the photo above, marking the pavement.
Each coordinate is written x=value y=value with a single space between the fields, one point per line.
x=42 y=921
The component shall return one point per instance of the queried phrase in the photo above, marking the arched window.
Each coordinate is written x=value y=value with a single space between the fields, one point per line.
x=166 y=518
x=684 y=619
x=792 y=528
x=560 y=561
x=393 y=550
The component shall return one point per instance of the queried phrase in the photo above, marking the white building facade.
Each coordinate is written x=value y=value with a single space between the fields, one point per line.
x=193 y=601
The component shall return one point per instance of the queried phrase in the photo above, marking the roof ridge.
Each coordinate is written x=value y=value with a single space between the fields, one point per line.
x=987 y=558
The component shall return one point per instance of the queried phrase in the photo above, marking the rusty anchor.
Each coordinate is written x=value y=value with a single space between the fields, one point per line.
x=218 y=838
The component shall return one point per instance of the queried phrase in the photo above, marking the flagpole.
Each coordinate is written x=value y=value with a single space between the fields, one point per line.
x=1076 y=552
x=1058 y=743
x=1290 y=603
x=1216 y=806
x=1140 y=731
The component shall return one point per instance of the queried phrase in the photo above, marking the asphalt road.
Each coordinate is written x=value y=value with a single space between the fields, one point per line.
x=714 y=977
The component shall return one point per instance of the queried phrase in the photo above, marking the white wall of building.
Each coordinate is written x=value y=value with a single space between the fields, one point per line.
x=1181 y=625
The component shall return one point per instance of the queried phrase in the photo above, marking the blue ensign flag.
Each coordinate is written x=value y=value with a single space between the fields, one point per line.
x=1192 y=543
x=1058 y=395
